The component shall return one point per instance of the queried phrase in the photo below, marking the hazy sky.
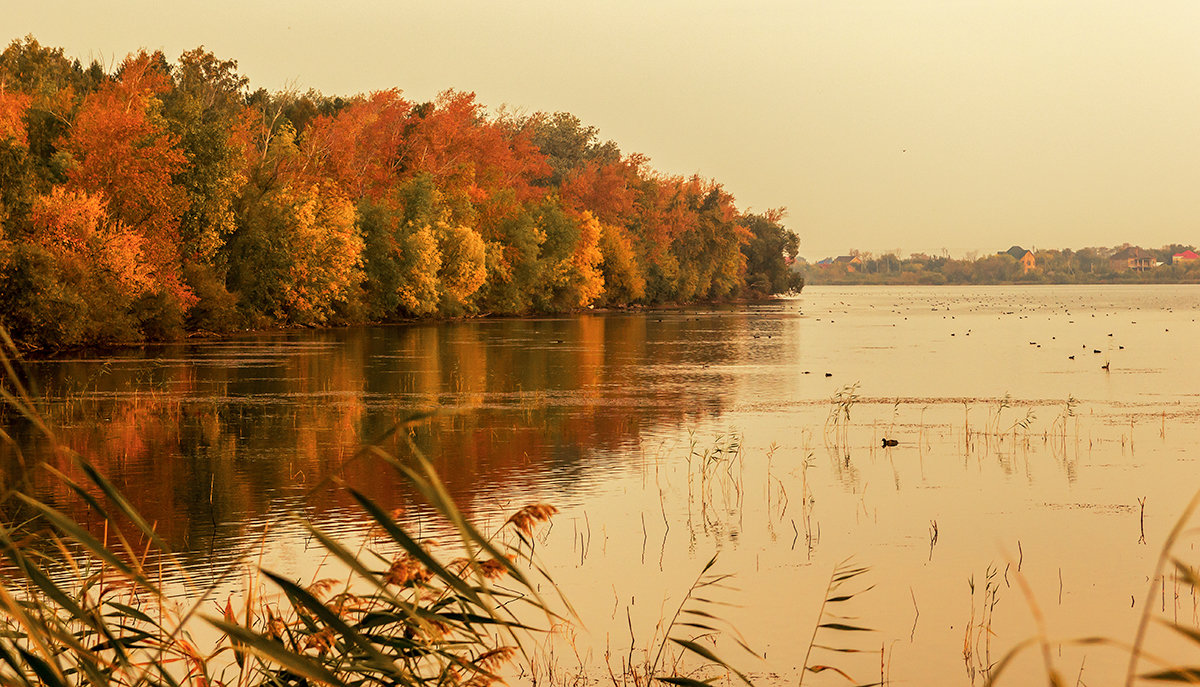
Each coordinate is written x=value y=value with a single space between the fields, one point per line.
x=916 y=125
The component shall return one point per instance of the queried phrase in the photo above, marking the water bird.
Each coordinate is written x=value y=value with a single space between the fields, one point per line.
x=1104 y=367
x=890 y=442
x=1095 y=350
x=1071 y=357
x=828 y=374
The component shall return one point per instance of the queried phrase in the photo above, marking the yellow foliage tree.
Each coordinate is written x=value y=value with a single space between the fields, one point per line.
x=464 y=258
x=624 y=281
x=299 y=253
x=418 y=292
x=326 y=248
x=587 y=259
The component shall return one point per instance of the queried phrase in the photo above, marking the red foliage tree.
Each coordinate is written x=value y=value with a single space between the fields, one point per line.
x=607 y=191
x=361 y=148
x=491 y=165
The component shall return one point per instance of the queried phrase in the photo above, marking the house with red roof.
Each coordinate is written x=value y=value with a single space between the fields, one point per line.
x=1184 y=257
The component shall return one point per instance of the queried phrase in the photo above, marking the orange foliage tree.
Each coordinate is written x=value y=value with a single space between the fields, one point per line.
x=12 y=116
x=15 y=180
x=491 y=166
x=75 y=225
x=124 y=155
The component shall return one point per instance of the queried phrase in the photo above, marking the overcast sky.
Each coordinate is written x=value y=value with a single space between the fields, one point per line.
x=919 y=125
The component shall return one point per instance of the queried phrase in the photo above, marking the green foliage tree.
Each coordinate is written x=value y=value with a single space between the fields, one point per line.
x=707 y=243
x=769 y=252
x=568 y=274
x=569 y=145
x=59 y=301
x=402 y=260
x=513 y=264
x=296 y=255
x=464 y=267
x=206 y=112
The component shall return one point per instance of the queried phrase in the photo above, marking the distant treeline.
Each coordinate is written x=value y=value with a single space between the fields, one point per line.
x=1095 y=265
x=167 y=197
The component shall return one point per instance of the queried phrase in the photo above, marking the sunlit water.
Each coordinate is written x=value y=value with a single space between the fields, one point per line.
x=666 y=438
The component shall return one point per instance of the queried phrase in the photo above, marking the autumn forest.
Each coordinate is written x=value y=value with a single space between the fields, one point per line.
x=163 y=198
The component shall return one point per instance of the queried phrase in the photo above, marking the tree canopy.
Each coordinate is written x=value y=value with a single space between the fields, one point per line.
x=162 y=196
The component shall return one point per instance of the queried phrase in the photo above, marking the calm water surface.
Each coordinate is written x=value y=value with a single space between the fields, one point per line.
x=1023 y=454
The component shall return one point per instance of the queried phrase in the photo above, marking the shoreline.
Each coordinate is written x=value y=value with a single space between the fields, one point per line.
x=43 y=354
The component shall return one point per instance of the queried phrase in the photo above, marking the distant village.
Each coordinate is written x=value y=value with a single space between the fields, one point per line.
x=1127 y=263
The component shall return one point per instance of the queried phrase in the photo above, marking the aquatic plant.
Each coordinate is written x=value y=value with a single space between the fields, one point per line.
x=977 y=639
x=837 y=625
x=696 y=613
x=1058 y=428
x=81 y=608
x=837 y=424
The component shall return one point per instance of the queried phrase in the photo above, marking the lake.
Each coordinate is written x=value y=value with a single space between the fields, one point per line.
x=1045 y=440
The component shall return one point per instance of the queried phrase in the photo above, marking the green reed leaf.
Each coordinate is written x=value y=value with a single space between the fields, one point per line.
x=1189 y=675
x=274 y=651
x=845 y=628
x=47 y=674
x=301 y=596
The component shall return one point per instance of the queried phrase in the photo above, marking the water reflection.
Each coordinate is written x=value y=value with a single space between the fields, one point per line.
x=209 y=436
